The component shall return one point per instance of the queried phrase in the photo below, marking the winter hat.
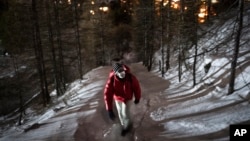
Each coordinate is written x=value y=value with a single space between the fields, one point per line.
x=117 y=67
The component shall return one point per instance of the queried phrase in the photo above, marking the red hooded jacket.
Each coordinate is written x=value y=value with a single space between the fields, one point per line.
x=121 y=89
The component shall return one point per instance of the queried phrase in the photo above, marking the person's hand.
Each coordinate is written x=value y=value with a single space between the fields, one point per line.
x=136 y=101
x=111 y=114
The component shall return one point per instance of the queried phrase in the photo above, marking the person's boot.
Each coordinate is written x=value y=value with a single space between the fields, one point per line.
x=126 y=130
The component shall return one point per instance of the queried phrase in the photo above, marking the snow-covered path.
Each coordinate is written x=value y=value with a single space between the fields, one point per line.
x=164 y=113
x=84 y=116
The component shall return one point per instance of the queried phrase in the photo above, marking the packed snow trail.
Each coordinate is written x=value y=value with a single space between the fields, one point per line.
x=99 y=127
x=162 y=114
x=84 y=117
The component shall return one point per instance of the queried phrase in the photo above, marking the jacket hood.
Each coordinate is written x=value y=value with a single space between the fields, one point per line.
x=125 y=67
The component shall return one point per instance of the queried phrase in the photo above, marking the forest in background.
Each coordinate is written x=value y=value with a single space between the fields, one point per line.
x=51 y=43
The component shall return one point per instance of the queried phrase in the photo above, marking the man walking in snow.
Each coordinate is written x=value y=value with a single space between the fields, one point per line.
x=121 y=86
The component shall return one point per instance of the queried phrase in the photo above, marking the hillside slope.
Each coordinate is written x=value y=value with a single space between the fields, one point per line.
x=165 y=112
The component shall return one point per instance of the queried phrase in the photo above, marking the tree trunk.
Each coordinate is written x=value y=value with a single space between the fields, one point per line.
x=209 y=6
x=52 y=47
x=151 y=39
x=146 y=25
x=60 y=52
x=161 y=40
x=179 y=62
x=145 y=54
x=180 y=44
x=194 y=65
x=168 y=36
x=39 y=54
x=21 y=111
x=78 y=42
x=236 y=48
x=195 y=42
